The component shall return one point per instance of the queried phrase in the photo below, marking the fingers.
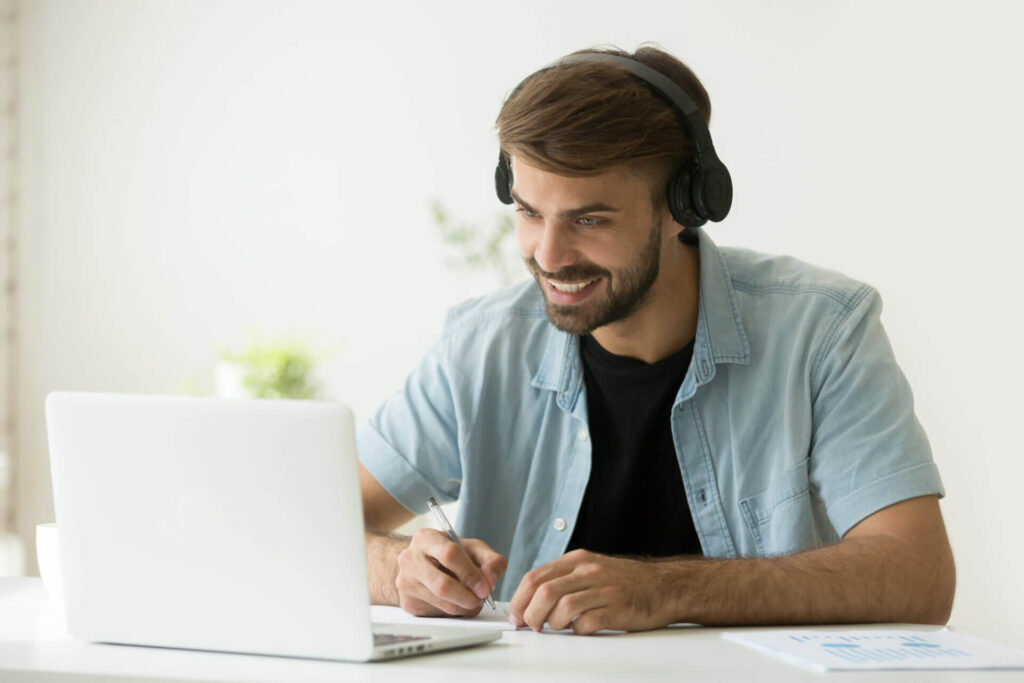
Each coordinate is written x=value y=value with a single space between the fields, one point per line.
x=546 y=596
x=436 y=577
x=535 y=580
x=562 y=602
x=435 y=607
x=591 y=622
x=586 y=592
x=456 y=562
x=492 y=564
x=434 y=570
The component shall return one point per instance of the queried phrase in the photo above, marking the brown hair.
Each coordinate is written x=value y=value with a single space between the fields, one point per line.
x=580 y=119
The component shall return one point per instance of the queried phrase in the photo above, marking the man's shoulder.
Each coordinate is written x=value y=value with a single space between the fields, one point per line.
x=785 y=304
x=764 y=275
x=517 y=305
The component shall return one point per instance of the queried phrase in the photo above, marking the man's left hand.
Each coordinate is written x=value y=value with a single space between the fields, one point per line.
x=589 y=592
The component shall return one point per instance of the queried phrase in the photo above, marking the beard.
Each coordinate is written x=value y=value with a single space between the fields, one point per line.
x=627 y=288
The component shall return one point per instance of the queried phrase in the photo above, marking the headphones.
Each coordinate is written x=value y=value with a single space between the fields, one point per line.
x=700 y=189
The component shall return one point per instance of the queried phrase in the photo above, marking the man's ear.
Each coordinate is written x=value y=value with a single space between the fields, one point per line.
x=669 y=226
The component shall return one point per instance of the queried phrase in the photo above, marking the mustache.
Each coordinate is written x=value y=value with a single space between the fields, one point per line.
x=573 y=273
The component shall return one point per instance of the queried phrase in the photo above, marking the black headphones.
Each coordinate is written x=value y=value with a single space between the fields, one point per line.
x=700 y=189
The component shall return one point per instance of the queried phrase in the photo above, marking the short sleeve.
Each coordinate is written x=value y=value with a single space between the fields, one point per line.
x=410 y=445
x=868 y=451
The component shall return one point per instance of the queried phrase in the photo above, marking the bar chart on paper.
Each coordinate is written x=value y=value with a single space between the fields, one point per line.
x=865 y=650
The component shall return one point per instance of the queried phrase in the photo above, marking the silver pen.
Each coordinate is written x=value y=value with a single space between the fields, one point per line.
x=447 y=527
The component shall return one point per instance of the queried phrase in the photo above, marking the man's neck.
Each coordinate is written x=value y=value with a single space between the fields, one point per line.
x=667 y=319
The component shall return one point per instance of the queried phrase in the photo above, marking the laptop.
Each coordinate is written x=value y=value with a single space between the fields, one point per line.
x=218 y=524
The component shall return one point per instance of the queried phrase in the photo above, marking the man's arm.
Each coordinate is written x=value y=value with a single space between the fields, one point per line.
x=382 y=514
x=425 y=574
x=894 y=566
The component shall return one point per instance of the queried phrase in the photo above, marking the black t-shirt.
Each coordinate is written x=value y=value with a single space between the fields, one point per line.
x=635 y=503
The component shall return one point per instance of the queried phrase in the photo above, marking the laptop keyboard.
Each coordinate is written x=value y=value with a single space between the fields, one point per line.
x=391 y=638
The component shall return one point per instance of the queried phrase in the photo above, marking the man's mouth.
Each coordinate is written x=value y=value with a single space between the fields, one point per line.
x=570 y=293
x=571 y=287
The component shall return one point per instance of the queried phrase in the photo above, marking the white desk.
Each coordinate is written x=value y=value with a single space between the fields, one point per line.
x=34 y=646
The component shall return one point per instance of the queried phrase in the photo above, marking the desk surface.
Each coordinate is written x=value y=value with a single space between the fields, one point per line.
x=35 y=646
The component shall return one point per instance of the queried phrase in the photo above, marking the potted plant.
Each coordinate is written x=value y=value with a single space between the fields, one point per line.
x=274 y=369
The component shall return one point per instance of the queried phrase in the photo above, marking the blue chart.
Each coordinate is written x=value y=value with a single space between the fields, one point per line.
x=880 y=648
x=861 y=649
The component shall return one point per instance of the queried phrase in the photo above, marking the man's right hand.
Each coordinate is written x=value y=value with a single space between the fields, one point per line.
x=436 y=578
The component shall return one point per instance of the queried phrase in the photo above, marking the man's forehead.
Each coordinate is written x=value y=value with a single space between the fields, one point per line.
x=615 y=185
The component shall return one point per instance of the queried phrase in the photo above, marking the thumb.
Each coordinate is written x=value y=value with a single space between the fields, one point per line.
x=493 y=566
x=492 y=563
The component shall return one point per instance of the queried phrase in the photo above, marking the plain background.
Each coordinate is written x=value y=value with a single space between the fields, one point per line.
x=194 y=170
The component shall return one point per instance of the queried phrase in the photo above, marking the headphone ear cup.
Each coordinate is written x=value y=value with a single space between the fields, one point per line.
x=716 y=192
x=503 y=179
x=683 y=188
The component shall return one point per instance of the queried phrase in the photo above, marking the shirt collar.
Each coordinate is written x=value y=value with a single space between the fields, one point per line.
x=720 y=337
x=719 y=315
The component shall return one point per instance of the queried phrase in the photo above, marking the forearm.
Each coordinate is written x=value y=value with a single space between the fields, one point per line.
x=860 y=580
x=382 y=551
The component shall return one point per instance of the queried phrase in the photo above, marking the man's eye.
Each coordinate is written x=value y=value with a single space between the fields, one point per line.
x=526 y=212
x=588 y=221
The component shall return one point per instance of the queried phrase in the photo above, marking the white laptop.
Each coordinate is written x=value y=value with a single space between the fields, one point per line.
x=215 y=524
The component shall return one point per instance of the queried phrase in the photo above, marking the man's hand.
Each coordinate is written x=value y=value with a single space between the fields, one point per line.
x=893 y=566
x=436 y=578
x=589 y=592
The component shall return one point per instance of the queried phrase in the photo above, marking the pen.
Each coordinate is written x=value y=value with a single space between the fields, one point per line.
x=442 y=519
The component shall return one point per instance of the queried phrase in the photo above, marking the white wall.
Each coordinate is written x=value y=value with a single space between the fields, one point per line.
x=192 y=170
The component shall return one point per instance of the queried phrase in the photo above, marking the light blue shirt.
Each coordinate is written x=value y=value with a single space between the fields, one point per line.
x=793 y=423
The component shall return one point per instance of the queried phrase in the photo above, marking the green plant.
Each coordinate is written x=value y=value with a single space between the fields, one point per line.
x=277 y=369
x=478 y=246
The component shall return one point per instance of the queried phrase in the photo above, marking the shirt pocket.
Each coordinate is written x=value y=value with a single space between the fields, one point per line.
x=780 y=517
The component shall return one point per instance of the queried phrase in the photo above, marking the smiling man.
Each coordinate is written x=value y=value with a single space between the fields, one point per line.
x=657 y=429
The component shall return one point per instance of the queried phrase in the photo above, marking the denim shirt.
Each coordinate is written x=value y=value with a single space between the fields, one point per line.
x=793 y=422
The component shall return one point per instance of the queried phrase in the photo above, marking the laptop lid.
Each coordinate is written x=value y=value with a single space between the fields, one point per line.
x=213 y=524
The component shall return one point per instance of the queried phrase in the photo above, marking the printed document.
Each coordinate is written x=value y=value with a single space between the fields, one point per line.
x=880 y=649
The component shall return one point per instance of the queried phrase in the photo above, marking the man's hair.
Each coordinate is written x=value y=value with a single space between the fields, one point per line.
x=581 y=119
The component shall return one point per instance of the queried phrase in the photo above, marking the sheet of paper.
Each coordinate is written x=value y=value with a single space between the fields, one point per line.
x=881 y=649
x=496 y=619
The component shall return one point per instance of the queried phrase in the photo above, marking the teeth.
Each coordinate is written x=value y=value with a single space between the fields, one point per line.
x=570 y=288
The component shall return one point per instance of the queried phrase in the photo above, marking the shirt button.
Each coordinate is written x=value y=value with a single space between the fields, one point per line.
x=559 y=524
x=582 y=435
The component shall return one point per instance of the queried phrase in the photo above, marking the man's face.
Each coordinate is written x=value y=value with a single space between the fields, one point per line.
x=593 y=244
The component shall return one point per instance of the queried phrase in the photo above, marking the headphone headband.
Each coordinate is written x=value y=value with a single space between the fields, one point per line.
x=662 y=86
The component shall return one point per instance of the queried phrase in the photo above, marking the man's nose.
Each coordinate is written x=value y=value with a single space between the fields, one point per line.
x=556 y=248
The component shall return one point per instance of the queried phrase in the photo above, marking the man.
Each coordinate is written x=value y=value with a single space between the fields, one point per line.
x=657 y=430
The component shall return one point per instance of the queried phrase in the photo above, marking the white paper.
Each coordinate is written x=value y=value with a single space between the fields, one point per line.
x=487 y=619
x=880 y=649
